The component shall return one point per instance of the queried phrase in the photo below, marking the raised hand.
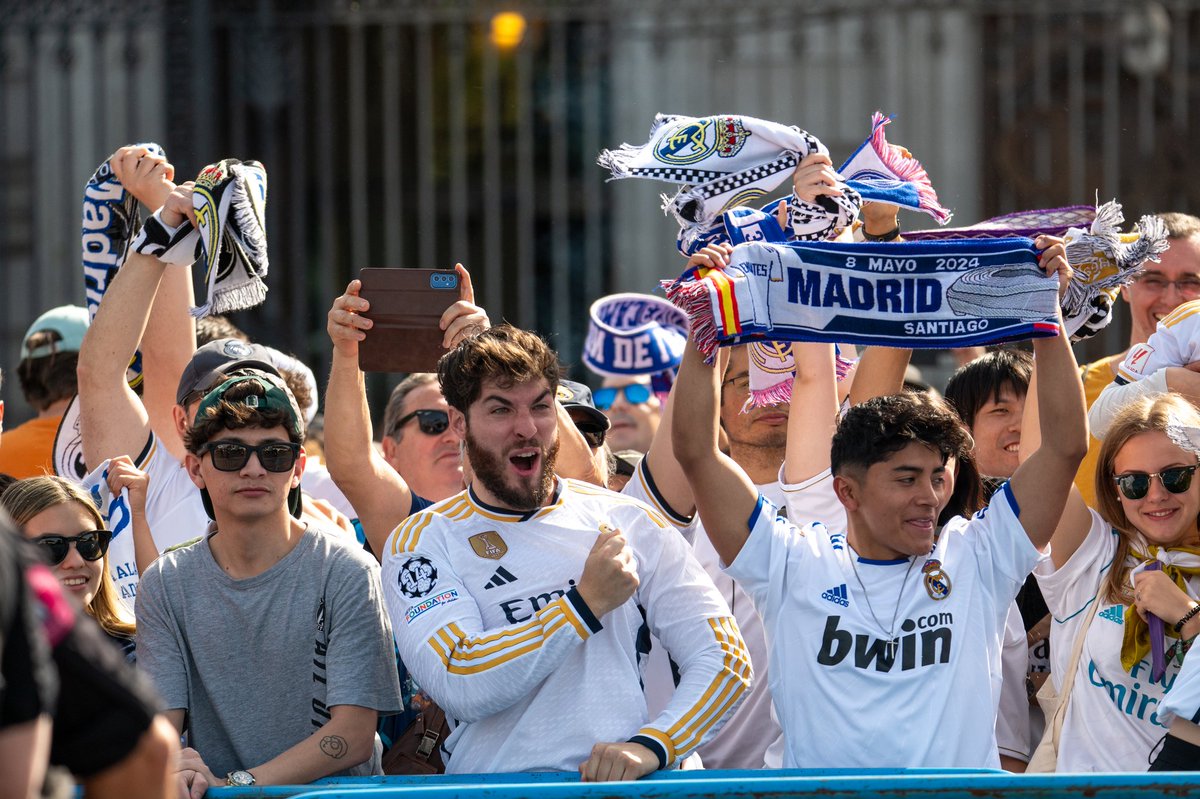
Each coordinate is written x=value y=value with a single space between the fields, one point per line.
x=609 y=573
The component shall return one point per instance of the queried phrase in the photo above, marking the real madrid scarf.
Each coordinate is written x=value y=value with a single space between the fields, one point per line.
x=1103 y=258
x=110 y=221
x=635 y=334
x=230 y=237
x=726 y=161
x=922 y=295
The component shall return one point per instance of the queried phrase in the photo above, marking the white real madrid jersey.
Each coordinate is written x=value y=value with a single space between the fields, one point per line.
x=489 y=621
x=844 y=696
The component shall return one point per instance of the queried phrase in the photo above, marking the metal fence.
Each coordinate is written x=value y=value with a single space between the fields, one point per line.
x=398 y=133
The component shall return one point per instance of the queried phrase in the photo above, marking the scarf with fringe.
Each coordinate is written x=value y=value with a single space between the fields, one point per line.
x=1024 y=224
x=925 y=295
x=1105 y=259
x=772 y=367
x=726 y=161
x=110 y=221
x=230 y=238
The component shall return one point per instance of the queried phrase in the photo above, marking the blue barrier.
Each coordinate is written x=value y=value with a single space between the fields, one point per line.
x=823 y=783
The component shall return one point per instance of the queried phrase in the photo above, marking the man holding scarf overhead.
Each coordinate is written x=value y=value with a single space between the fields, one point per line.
x=888 y=633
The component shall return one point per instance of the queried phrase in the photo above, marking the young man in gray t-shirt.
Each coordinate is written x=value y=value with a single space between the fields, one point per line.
x=268 y=639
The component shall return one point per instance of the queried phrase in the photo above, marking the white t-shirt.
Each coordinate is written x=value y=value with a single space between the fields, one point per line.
x=752 y=730
x=488 y=620
x=174 y=514
x=843 y=702
x=1112 y=721
x=814 y=500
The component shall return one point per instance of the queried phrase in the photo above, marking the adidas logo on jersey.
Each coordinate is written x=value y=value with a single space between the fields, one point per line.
x=838 y=595
x=501 y=576
x=1113 y=614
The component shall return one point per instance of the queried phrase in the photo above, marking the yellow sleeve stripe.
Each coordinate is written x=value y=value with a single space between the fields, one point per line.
x=733 y=686
x=1184 y=311
x=725 y=689
x=456 y=651
x=470 y=650
x=406 y=540
x=667 y=745
x=483 y=640
x=573 y=618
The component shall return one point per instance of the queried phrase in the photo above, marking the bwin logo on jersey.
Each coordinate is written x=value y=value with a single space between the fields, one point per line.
x=879 y=654
x=838 y=595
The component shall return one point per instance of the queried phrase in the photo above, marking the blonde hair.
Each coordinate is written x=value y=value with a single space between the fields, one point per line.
x=27 y=498
x=1146 y=415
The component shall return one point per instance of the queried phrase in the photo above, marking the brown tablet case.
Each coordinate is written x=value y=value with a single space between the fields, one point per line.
x=406 y=306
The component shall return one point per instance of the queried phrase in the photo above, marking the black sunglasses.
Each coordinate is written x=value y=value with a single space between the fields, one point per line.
x=229 y=456
x=1136 y=485
x=592 y=434
x=432 y=423
x=91 y=545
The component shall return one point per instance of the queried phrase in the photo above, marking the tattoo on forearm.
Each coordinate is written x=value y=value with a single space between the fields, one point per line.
x=335 y=746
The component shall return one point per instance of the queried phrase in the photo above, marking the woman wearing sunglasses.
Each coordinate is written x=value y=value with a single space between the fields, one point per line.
x=1137 y=557
x=68 y=530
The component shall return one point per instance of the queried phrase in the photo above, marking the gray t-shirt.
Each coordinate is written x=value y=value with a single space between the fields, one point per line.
x=257 y=663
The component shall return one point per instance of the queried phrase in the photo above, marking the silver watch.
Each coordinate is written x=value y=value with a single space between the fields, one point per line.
x=239 y=779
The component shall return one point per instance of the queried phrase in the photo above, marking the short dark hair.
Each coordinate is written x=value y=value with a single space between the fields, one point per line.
x=392 y=413
x=503 y=353
x=982 y=379
x=875 y=430
x=231 y=412
x=46 y=380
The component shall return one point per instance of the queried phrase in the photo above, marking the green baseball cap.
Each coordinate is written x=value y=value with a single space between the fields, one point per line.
x=272 y=394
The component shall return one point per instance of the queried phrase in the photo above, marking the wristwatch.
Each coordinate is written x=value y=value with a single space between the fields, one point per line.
x=239 y=779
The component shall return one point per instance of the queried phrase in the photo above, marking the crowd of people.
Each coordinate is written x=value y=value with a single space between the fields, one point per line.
x=223 y=587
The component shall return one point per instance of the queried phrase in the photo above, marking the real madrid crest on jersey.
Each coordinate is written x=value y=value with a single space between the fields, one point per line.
x=417 y=577
x=937 y=582
x=489 y=545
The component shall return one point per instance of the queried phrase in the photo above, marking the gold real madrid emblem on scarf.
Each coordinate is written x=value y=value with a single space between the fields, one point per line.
x=937 y=582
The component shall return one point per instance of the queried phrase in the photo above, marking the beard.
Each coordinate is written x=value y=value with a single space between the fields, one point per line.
x=489 y=468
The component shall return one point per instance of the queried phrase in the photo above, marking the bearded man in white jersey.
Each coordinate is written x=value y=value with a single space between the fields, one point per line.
x=523 y=605
x=882 y=634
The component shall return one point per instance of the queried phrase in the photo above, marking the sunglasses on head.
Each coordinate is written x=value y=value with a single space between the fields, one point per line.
x=91 y=545
x=229 y=456
x=1136 y=485
x=635 y=394
x=431 y=423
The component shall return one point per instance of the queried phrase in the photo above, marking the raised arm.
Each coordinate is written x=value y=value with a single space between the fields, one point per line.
x=169 y=339
x=1043 y=482
x=377 y=492
x=813 y=419
x=725 y=495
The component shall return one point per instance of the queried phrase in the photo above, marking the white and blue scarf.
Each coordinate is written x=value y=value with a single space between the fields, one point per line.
x=110 y=221
x=229 y=202
x=932 y=295
x=727 y=161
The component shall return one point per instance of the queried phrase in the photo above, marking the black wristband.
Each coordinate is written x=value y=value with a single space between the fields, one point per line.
x=1187 y=617
x=891 y=235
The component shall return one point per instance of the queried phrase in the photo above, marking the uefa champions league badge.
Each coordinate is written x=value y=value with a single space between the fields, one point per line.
x=937 y=582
